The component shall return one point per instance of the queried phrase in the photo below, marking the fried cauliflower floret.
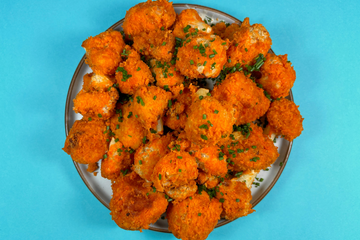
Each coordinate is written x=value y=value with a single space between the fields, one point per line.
x=249 y=151
x=248 y=43
x=132 y=74
x=86 y=142
x=157 y=44
x=208 y=120
x=189 y=23
x=129 y=52
x=285 y=119
x=117 y=159
x=126 y=127
x=149 y=154
x=96 y=82
x=149 y=16
x=174 y=170
x=96 y=104
x=277 y=75
x=182 y=192
x=177 y=114
x=194 y=218
x=103 y=52
x=166 y=74
x=230 y=31
x=243 y=94
x=247 y=177
x=149 y=105
x=134 y=206
x=207 y=179
x=203 y=56
x=219 y=29
x=208 y=160
x=235 y=198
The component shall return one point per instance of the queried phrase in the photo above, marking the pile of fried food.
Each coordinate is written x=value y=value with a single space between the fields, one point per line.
x=167 y=144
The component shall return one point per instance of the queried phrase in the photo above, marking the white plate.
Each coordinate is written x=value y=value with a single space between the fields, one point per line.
x=101 y=187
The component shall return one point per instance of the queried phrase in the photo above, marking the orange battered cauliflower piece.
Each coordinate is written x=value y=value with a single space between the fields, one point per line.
x=208 y=121
x=149 y=154
x=150 y=104
x=132 y=74
x=235 y=198
x=96 y=82
x=249 y=149
x=248 y=43
x=243 y=94
x=103 y=52
x=87 y=142
x=157 y=44
x=126 y=127
x=202 y=56
x=189 y=23
x=285 y=119
x=277 y=75
x=166 y=74
x=149 y=16
x=117 y=159
x=96 y=104
x=208 y=160
x=207 y=179
x=230 y=31
x=219 y=29
x=134 y=206
x=194 y=218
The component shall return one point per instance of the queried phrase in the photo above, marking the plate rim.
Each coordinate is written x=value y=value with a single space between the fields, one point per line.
x=67 y=106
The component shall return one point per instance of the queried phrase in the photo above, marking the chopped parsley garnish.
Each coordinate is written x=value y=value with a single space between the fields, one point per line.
x=125 y=75
x=204 y=126
x=204 y=137
x=99 y=115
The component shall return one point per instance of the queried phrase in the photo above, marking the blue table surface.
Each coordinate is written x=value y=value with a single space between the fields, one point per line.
x=43 y=197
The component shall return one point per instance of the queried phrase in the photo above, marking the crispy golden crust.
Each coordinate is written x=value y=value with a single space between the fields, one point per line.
x=166 y=74
x=95 y=82
x=182 y=192
x=285 y=119
x=230 y=31
x=194 y=218
x=132 y=74
x=236 y=199
x=208 y=120
x=207 y=179
x=97 y=105
x=157 y=44
x=253 y=153
x=103 y=52
x=208 y=160
x=150 y=104
x=148 y=16
x=117 y=159
x=190 y=17
x=134 y=206
x=126 y=127
x=243 y=94
x=149 y=154
x=175 y=169
x=203 y=56
x=248 y=43
x=277 y=75
x=219 y=29
x=87 y=142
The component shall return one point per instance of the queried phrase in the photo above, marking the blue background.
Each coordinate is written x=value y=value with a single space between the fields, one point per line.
x=42 y=195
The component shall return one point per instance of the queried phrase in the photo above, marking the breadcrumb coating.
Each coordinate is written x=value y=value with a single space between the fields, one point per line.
x=166 y=74
x=208 y=120
x=277 y=75
x=188 y=23
x=103 y=52
x=226 y=32
x=149 y=154
x=150 y=104
x=194 y=218
x=208 y=160
x=235 y=198
x=175 y=169
x=207 y=179
x=254 y=152
x=285 y=119
x=87 y=142
x=117 y=159
x=96 y=82
x=127 y=127
x=149 y=16
x=202 y=56
x=248 y=43
x=134 y=206
x=157 y=44
x=243 y=94
x=96 y=105
x=132 y=74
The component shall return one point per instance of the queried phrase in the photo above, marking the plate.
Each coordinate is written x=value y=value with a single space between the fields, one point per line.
x=101 y=187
